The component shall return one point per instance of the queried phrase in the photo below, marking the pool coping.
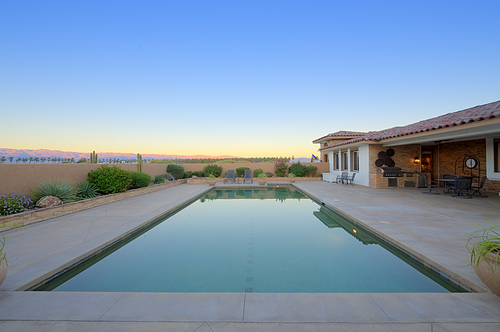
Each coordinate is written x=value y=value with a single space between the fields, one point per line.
x=383 y=308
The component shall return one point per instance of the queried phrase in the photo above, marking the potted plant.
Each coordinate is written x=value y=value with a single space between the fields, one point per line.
x=3 y=260
x=484 y=255
x=291 y=176
x=211 y=180
x=261 y=178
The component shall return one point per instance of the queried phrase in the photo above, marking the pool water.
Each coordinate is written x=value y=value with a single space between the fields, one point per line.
x=274 y=240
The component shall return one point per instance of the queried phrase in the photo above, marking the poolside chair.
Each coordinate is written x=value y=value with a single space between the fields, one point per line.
x=341 y=178
x=248 y=176
x=462 y=187
x=477 y=188
x=350 y=179
x=230 y=176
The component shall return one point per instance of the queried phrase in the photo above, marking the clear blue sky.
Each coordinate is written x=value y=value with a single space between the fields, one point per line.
x=247 y=78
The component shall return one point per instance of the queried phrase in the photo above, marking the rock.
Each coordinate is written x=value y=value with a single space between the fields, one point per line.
x=48 y=201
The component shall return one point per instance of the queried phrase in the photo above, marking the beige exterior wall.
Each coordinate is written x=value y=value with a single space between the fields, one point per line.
x=22 y=178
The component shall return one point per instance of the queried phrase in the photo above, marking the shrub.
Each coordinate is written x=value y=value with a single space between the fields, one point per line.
x=298 y=169
x=240 y=171
x=187 y=175
x=177 y=171
x=311 y=170
x=159 y=179
x=257 y=172
x=109 y=180
x=269 y=174
x=86 y=190
x=139 y=180
x=13 y=203
x=199 y=174
x=60 y=188
x=212 y=169
x=280 y=168
x=168 y=177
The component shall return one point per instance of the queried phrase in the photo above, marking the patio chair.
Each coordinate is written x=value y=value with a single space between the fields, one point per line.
x=341 y=178
x=350 y=179
x=477 y=188
x=248 y=176
x=449 y=186
x=462 y=187
x=430 y=185
x=230 y=176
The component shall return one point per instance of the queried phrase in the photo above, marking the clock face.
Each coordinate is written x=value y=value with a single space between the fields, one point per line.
x=471 y=163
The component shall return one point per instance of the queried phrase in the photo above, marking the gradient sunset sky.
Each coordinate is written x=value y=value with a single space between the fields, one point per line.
x=245 y=78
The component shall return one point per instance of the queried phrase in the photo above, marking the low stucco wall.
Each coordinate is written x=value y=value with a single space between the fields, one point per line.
x=22 y=178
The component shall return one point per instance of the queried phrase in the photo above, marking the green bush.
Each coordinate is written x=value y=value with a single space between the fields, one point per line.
x=212 y=169
x=257 y=172
x=280 y=168
x=187 y=175
x=85 y=190
x=311 y=170
x=269 y=174
x=109 y=180
x=199 y=174
x=60 y=188
x=13 y=203
x=240 y=171
x=177 y=171
x=298 y=169
x=139 y=180
x=159 y=179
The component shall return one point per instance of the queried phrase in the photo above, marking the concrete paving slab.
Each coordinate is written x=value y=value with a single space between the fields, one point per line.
x=177 y=307
x=65 y=326
x=466 y=327
x=319 y=327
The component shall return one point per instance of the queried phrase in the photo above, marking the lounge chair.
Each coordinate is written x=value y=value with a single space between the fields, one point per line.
x=477 y=188
x=248 y=176
x=230 y=176
x=350 y=179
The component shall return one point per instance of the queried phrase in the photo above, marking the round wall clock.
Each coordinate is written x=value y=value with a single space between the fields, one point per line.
x=471 y=163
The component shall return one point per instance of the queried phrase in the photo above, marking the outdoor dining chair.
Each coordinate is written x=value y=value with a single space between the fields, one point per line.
x=430 y=185
x=341 y=178
x=478 y=187
x=463 y=186
x=350 y=179
x=449 y=186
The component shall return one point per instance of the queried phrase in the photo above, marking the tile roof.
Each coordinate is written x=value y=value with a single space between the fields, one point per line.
x=474 y=114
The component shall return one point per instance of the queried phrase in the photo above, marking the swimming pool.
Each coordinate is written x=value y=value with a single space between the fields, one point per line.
x=274 y=240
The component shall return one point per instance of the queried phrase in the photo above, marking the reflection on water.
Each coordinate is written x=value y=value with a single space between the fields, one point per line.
x=251 y=240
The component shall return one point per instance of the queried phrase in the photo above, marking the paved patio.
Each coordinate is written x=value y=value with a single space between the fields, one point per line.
x=427 y=226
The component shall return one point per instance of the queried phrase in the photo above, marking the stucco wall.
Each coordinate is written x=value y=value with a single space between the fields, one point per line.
x=22 y=178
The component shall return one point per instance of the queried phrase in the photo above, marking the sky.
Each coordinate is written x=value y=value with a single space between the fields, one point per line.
x=244 y=78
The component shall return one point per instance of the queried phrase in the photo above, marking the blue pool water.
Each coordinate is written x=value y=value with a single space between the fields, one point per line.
x=275 y=240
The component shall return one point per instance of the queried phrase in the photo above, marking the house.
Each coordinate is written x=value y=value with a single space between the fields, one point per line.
x=466 y=143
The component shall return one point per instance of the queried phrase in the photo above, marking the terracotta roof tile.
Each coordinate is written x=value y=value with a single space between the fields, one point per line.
x=474 y=114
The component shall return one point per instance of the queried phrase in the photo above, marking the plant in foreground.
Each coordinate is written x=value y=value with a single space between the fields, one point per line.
x=13 y=203
x=483 y=242
x=60 y=188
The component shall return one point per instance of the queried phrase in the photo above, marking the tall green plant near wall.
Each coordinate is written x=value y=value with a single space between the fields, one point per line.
x=93 y=158
x=139 y=163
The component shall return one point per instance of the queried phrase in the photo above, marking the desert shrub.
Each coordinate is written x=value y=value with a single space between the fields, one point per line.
x=240 y=171
x=280 y=168
x=199 y=174
x=13 y=203
x=159 y=179
x=86 y=190
x=139 y=180
x=212 y=169
x=257 y=172
x=168 y=177
x=311 y=170
x=60 y=188
x=298 y=169
x=187 y=175
x=177 y=171
x=269 y=174
x=109 y=180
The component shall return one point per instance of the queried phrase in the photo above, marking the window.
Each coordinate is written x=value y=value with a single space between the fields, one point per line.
x=354 y=160
x=336 y=161
x=345 y=161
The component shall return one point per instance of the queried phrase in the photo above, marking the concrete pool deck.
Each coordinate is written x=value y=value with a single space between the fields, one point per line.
x=429 y=227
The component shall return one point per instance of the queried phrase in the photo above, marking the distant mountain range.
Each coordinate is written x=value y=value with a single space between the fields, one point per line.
x=42 y=153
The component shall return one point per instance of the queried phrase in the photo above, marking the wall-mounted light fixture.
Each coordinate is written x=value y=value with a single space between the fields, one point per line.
x=416 y=160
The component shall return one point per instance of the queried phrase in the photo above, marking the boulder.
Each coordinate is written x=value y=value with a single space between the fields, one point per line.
x=48 y=201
